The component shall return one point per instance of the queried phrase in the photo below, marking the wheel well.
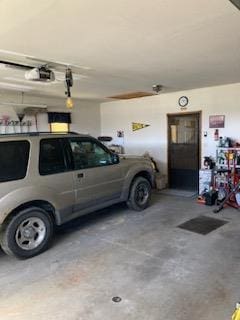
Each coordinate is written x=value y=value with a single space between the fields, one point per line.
x=45 y=205
x=145 y=175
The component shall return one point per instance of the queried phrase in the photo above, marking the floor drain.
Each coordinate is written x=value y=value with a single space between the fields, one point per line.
x=116 y=299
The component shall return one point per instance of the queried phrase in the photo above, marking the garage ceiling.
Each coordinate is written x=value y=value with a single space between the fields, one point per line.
x=129 y=45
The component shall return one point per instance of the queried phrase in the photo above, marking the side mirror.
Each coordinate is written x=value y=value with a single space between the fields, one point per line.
x=115 y=158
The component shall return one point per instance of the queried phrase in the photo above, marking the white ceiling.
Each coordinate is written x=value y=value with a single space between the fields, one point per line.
x=129 y=44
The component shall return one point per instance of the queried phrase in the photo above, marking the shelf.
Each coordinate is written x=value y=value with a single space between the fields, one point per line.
x=228 y=166
x=230 y=157
x=229 y=149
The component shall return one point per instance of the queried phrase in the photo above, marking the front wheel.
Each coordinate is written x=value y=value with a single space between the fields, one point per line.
x=140 y=194
x=28 y=233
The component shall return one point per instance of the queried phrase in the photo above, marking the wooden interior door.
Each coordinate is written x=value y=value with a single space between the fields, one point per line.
x=184 y=151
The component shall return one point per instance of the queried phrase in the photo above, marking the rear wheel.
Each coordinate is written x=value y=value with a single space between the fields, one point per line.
x=140 y=194
x=28 y=233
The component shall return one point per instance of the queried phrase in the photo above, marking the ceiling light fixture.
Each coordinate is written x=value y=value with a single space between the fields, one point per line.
x=69 y=103
x=157 y=88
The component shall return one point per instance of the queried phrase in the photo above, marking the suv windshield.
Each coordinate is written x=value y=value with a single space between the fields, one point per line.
x=13 y=160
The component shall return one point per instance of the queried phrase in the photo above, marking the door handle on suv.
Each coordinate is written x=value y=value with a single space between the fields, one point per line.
x=80 y=175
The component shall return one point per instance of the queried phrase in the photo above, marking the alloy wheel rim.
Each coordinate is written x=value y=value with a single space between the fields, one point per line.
x=30 y=233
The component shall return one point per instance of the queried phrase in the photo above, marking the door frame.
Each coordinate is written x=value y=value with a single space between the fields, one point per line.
x=199 y=113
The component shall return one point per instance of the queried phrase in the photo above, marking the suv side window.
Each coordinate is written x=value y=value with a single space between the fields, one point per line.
x=51 y=158
x=13 y=160
x=89 y=154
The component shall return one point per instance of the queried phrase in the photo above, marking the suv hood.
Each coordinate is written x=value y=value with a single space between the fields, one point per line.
x=134 y=158
x=130 y=156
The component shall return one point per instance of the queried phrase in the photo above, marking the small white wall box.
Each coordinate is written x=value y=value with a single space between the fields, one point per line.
x=205 y=180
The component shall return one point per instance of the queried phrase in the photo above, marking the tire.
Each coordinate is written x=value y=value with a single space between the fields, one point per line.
x=28 y=233
x=140 y=194
x=222 y=194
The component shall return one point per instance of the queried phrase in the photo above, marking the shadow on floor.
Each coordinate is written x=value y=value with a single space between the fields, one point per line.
x=93 y=218
x=90 y=219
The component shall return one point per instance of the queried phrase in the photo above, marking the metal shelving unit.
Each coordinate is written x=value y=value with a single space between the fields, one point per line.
x=227 y=173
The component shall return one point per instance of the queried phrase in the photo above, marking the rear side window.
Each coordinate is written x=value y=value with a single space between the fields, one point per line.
x=13 y=160
x=51 y=159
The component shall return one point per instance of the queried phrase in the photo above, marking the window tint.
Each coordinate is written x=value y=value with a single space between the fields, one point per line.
x=13 y=160
x=51 y=157
x=88 y=154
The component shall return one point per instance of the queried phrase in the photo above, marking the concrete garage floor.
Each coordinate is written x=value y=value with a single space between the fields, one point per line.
x=161 y=272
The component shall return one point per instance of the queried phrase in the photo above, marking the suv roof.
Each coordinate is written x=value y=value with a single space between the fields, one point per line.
x=45 y=134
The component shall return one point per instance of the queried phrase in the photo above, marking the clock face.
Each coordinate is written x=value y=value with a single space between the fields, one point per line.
x=183 y=101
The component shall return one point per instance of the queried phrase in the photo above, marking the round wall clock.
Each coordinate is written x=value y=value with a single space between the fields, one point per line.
x=183 y=101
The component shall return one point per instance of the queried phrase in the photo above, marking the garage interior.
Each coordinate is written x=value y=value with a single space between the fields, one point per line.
x=162 y=79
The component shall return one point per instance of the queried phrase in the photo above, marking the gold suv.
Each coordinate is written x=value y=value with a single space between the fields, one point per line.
x=49 y=179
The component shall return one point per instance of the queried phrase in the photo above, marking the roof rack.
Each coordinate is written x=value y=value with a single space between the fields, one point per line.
x=36 y=133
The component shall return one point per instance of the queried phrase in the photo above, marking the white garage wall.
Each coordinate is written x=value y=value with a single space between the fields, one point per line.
x=118 y=115
x=85 y=114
